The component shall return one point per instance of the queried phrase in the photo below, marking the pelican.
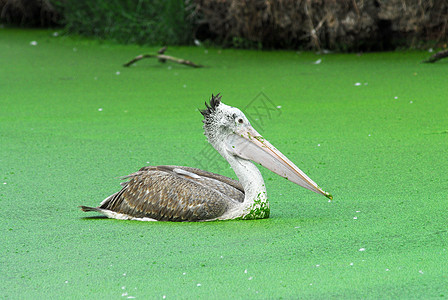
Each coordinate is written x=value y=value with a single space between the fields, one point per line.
x=176 y=193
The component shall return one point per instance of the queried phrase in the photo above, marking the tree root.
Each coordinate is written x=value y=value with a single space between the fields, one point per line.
x=437 y=56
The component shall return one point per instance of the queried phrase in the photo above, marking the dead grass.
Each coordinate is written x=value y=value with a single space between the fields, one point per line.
x=331 y=24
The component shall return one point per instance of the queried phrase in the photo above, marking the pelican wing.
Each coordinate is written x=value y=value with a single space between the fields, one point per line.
x=170 y=193
x=223 y=184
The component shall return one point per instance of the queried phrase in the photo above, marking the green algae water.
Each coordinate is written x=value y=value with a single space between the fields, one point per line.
x=370 y=129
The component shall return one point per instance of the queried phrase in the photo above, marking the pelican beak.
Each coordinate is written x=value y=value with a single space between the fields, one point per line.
x=247 y=143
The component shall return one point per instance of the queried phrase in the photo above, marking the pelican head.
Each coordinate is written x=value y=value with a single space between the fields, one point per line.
x=221 y=120
x=229 y=131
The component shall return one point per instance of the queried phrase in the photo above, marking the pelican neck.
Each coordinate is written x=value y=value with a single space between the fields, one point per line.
x=249 y=177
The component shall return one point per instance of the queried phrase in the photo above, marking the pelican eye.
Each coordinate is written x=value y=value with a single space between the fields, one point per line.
x=240 y=121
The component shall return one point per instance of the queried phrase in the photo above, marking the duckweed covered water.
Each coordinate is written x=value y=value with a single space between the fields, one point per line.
x=72 y=121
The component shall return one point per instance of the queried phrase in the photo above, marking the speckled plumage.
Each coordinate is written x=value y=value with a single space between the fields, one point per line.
x=150 y=193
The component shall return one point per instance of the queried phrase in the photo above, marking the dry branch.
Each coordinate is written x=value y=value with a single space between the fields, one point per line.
x=437 y=56
x=163 y=58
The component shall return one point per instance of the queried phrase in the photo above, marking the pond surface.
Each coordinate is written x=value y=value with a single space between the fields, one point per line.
x=371 y=129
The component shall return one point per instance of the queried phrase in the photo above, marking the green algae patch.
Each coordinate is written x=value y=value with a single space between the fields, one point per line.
x=72 y=121
x=259 y=209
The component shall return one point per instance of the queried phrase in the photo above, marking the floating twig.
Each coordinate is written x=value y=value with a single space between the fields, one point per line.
x=163 y=58
x=439 y=55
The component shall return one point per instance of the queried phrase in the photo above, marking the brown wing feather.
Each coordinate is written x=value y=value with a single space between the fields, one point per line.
x=159 y=193
x=223 y=184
